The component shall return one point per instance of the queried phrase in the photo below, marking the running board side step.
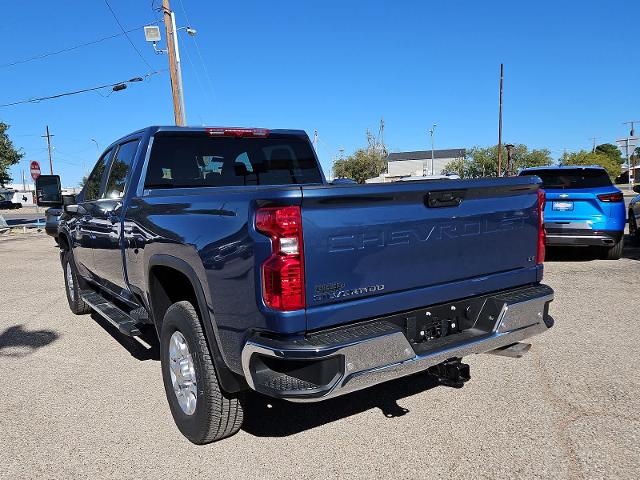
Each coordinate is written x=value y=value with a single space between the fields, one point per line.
x=118 y=318
x=515 y=350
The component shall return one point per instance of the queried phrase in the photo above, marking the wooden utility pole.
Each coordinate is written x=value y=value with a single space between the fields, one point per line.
x=173 y=72
x=500 y=125
x=509 y=170
x=48 y=137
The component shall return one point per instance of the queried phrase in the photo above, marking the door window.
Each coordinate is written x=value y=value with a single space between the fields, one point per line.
x=93 y=182
x=120 y=169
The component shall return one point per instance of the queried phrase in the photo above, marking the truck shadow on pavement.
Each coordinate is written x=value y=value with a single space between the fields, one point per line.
x=17 y=342
x=268 y=417
x=134 y=347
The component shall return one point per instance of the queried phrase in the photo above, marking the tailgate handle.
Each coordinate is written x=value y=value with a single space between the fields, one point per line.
x=447 y=198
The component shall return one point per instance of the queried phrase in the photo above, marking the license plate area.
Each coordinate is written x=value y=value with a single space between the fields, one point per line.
x=562 y=206
x=428 y=329
x=440 y=326
x=432 y=328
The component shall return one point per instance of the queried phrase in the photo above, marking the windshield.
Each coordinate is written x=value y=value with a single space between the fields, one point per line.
x=568 y=178
x=179 y=161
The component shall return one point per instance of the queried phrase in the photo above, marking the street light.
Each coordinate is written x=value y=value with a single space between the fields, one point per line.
x=431 y=132
x=152 y=34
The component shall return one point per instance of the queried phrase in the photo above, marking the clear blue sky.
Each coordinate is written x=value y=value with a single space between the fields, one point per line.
x=571 y=72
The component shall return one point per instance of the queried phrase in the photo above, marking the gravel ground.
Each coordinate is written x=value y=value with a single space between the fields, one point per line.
x=81 y=401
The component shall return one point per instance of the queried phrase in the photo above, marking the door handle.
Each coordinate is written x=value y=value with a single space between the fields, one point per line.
x=447 y=198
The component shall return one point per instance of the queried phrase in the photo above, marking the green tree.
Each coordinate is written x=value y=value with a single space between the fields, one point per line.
x=611 y=151
x=9 y=155
x=483 y=162
x=592 y=158
x=363 y=164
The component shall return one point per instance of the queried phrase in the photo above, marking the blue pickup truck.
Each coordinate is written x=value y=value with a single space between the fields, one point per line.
x=258 y=274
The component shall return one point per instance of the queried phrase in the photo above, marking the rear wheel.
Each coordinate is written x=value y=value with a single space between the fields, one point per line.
x=72 y=285
x=202 y=411
x=615 y=252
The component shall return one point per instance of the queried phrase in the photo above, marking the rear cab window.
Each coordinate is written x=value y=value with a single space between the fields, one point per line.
x=571 y=178
x=196 y=159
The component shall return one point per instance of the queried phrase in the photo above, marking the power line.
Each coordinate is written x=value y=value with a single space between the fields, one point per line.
x=68 y=49
x=127 y=35
x=195 y=71
x=195 y=40
x=76 y=92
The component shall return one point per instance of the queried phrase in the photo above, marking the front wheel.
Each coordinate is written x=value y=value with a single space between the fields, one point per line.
x=202 y=411
x=72 y=285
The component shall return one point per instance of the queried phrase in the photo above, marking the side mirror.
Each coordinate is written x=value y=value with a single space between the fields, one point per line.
x=74 y=209
x=636 y=188
x=48 y=191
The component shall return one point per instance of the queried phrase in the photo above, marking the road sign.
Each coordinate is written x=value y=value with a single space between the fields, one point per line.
x=35 y=170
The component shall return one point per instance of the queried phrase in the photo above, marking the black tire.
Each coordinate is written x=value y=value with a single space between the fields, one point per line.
x=634 y=231
x=217 y=415
x=615 y=252
x=72 y=285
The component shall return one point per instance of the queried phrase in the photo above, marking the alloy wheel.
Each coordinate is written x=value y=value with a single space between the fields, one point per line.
x=183 y=373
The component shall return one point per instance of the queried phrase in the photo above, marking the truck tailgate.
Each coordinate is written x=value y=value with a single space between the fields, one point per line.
x=375 y=249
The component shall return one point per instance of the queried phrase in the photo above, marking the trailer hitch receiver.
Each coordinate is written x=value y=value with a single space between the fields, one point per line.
x=451 y=373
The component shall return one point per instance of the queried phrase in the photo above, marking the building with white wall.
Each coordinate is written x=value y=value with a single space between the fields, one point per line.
x=418 y=163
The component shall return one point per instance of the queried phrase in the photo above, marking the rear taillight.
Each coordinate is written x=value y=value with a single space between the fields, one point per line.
x=237 y=132
x=610 y=197
x=283 y=271
x=541 y=234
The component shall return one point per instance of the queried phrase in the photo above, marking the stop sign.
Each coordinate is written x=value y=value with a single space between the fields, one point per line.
x=35 y=170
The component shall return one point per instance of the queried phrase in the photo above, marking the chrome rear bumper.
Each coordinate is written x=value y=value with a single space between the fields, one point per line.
x=362 y=355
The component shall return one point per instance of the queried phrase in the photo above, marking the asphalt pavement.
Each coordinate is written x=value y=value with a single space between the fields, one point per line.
x=80 y=401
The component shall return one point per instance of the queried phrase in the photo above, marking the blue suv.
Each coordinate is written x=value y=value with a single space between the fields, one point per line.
x=583 y=208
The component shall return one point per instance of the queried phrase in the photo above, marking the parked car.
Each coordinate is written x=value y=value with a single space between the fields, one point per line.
x=52 y=217
x=9 y=205
x=583 y=208
x=634 y=216
x=258 y=274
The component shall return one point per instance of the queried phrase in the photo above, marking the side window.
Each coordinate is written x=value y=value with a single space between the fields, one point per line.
x=92 y=185
x=120 y=168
